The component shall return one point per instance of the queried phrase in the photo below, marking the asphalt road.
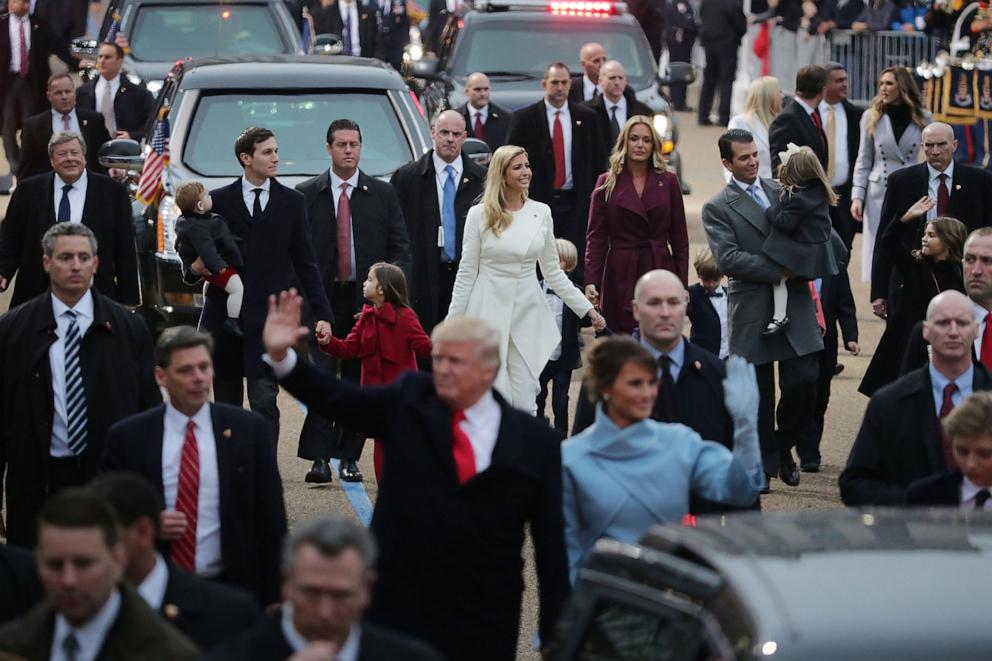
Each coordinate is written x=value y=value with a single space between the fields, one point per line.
x=703 y=170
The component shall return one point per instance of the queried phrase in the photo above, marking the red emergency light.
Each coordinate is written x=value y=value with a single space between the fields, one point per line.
x=582 y=8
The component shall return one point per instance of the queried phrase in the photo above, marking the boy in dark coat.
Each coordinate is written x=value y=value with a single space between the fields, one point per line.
x=708 y=306
x=204 y=235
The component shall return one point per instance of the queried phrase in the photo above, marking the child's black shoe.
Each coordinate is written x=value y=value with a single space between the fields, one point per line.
x=232 y=326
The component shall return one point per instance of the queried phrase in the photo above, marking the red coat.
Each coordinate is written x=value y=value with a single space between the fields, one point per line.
x=387 y=340
x=631 y=235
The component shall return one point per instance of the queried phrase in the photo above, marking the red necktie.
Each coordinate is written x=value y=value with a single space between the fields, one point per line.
x=815 y=116
x=344 y=235
x=25 y=63
x=558 y=147
x=477 y=129
x=943 y=195
x=946 y=407
x=65 y=122
x=986 y=356
x=821 y=320
x=187 y=500
x=461 y=448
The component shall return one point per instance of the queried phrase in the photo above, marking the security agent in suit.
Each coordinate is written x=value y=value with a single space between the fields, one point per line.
x=63 y=116
x=485 y=120
x=585 y=86
x=334 y=557
x=394 y=25
x=375 y=233
x=846 y=118
x=800 y=122
x=434 y=210
x=74 y=362
x=722 y=25
x=95 y=200
x=206 y=612
x=130 y=104
x=362 y=39
x=616 y=104
x=681 y=28
x=736 y=228
x=474 y=484
x=23 y=84
x=89 y=612
x=969 y=191
x=233 y=530
x=19 y=583
x=271 y=221
x=899 y=441
x=567 y=187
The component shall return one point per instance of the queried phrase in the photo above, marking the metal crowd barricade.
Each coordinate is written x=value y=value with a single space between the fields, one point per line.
x=866 y=54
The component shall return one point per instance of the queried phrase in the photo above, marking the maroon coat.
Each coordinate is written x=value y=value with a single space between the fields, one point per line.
x=629 y=236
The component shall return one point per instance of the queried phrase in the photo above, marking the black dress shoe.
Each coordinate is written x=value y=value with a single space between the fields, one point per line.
x=232 y=326
x=789 y=473
x=811 y=466
x=767 y=489
x=349 y=472
x=319 y=473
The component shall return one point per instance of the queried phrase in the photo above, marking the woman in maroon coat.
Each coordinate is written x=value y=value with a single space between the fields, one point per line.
x=636 y=223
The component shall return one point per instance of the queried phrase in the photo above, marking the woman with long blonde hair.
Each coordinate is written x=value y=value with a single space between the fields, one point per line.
x=764 y=103
x=505 y=237
x=636 y=223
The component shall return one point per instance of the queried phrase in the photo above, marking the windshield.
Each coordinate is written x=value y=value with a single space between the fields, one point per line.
x=171 y=32
x=526 y=47
x=300 y=121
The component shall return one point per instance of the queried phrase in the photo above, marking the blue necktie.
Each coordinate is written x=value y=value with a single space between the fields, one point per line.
x=65 y=212
x=347 y=31
x=448 y=214
x=752 y=190
x=75 y=396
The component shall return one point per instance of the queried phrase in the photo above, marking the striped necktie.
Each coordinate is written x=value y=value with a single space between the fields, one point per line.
x=75 y=395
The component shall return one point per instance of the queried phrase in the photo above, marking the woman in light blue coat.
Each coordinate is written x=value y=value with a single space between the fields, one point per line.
x=628 y=472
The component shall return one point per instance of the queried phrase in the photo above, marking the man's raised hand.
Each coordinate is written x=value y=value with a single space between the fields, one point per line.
x=282 y=325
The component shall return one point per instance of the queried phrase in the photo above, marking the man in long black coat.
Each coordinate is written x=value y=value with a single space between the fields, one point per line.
x=800 y=122
x=131 y=103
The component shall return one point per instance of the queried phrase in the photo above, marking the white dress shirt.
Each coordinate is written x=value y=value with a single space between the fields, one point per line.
x=101 y=83
x=77 y=198
x=90 y=636
x=621 y=110
x=248 y=195
x=589 y=89
x=348 y=652
x=152 y=589
x=208 y=558
x=968 y=492
x=15 y=40
x=934 y=183
x=980 y=314
x=58 y=125
x=557 y=307
x=566 y=129
x=345 y=7
x=483 y=114
x=56 y=359
x=842 y=160
x=481 y=423
x=352 y=182
x=719 y=304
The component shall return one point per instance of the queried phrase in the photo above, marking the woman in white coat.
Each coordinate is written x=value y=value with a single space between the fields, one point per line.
x=505 y=238
x=891 y=134
x=764 y=102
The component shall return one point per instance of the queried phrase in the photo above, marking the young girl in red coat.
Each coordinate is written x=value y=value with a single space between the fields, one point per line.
x=387 y=337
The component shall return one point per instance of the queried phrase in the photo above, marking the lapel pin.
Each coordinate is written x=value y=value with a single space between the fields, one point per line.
x=578 y=122
x=698 y=365
x=365 y=188
x=171 y=611
x=494 y=115
x=85 y=121
x=957 y=187
x=465 y=180
x=226 y=433
x=108 y=326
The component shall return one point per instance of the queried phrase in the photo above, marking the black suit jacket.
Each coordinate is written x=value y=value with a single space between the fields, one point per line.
x=853 y=114
x=936 y=490
x=898 y=442
x=495 y=129
x=793 y=124
x=275 y=248
x=19 y=583
x=106 y=211
x=327 y=20
x=207 y=612
x=133 y=104
x=706 y=331
x=37 y=132
x=44 y=43
x=252 y=513
x=577 y=91
x=416 y=186
x=267 y=643
x=378 y=230
x=971 y=203
x=118 y=378
x=634 y=107
x=430 y=585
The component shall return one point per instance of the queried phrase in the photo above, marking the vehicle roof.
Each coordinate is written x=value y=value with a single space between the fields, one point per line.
x=534 y=15
x=826 y=584
x=290 y=71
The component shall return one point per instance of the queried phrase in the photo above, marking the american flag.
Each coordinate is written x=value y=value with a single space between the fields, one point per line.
x=150 y=185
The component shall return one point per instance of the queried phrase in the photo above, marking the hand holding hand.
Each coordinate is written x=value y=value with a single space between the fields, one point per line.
x=857 y=210
x=172 y=525
x=878 y=307
x=918 y=210
x=740 y=391
x=323 y=332
x=598 y=320
x=282 y=325
x=853 y=348
x=592 y=294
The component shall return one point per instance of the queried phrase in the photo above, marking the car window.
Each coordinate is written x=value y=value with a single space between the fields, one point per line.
x=526 y=48
x=171 y=32
x=300 y=122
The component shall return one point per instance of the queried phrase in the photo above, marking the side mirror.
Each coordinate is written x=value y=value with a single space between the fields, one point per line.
x=477 y=150
x=327 y=44
x=85 y=48
x=678 y=73
x=427 y=68
x=122 y=153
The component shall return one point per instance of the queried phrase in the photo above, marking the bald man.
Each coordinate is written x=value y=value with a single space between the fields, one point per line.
x=435 y=194
x=617 y=103
x=900 y=439
x=585 y=85
x=484 y=119
x=961 y=191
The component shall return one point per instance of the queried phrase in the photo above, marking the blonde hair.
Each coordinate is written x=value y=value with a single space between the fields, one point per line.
x=972 y=417
x=568 y=253
x=706 y=266
x=801 y=168
x=469 y=329
x=619 y=157
x=188 y=194
x=497 y=216
x=762 y=95
x=909 y=94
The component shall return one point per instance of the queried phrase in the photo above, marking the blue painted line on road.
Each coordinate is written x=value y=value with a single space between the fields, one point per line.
x=354 y=491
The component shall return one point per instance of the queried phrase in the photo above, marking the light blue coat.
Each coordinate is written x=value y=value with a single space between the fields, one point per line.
x=619 y=482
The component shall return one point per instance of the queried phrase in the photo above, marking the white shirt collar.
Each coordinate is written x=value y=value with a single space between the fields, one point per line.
x=934 y=173
x=79 y=183
x=440 y=164
x=91 y=635
x=588 y=86
x=621 y=104
x=336 y=181
x=178 y=419
x=744 y=187
x=113 y=82
x=969 y=490
x=481 y=409
x=349 y=651
x=83 y=307
x=808 y=108
x=152 y=589
x=247 y=187
x=551 y=110
x=473 y=111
